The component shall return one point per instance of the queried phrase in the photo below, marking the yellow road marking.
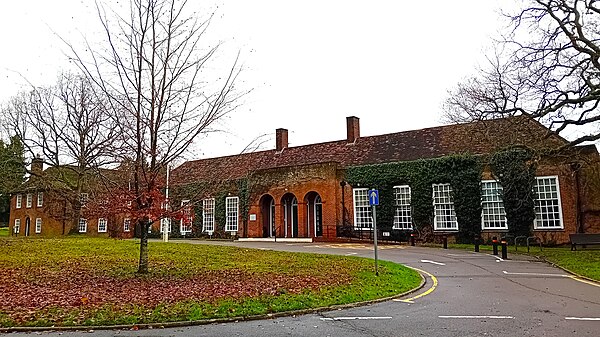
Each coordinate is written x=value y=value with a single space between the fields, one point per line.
x=584 y=281
x=426 y=292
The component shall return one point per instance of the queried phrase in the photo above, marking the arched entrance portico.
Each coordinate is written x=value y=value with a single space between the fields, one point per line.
x=314 y=214
x=267 y=210
x=289 y=205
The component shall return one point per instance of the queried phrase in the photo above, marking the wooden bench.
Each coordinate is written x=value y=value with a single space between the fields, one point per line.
x=584 y=239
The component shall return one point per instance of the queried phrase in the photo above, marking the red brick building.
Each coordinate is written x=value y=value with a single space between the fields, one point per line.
x=42 y=207
x=302 y=191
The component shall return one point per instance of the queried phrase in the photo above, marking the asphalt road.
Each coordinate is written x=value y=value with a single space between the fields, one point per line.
x=476 y=295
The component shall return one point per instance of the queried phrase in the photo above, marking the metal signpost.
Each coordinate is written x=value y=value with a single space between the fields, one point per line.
x=374 y=201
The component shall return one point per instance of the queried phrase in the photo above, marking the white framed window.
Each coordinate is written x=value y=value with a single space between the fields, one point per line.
x=548 y=210
x=231 y=214
x=82 y=225
x=17 y=226
x=83 y=198
x=164 y=222
x=362 y=211
x=127 y=225
x=444 y=218
x=38 y=225
x=493 y=214
x=19 y=202
x=40 y=199
x=185 y=225
x=29 y=201
x=102 y=225
x=402 y=215
x=208 y=215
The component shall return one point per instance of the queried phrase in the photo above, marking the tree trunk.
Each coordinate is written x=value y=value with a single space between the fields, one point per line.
x=143 y=265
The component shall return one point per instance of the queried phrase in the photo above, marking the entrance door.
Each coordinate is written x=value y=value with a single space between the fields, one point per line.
x=267 y=208
x=290 y=215
x=318 y=216
x=295 y=217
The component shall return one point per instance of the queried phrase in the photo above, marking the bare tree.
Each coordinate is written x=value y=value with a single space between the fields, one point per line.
x=67 y=126
x=546 y=67
x=153 y=68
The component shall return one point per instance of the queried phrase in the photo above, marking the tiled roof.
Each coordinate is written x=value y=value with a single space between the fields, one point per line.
x=476 y=138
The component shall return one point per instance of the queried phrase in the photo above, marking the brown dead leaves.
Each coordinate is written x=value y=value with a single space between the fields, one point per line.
x=27 y=291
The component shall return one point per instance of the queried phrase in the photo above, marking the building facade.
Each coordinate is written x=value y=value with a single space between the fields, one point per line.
x=311 y=191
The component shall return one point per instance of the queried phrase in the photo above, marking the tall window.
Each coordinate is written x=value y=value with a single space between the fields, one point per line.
x=38 y=225
x=19 y=201
x=402 y=215
x=17 y=226
x=126 y=225
x=102 y=224
x=82 y=225
x=443 y=208
x=231 y=211
x=187 y=218
x=29 y=200
x=362 y=210
x=548 y=212
x=40 y=199
x=208 y=215
x=493 y=215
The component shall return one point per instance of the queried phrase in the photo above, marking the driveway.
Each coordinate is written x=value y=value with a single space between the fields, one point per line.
x=466 y=294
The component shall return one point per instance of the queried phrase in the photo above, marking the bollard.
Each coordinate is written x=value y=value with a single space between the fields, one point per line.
x=477 y=245
x=445 y=242
x=494 y=246
x=504 y=250
x=412 y=239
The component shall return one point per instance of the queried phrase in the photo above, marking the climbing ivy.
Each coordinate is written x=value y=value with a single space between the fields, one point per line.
x=515 y=169
x=219 y=191
x=463 y=172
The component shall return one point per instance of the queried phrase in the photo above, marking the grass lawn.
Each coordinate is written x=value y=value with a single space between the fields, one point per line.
x=585 y=262
x=3 y=231
x=85 y=281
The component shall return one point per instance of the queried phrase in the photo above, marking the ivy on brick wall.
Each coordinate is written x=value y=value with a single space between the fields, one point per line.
x=463 y=172
x=515 y=169
x=219 y=191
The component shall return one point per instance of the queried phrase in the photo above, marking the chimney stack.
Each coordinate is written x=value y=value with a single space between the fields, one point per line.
x=37 y=166
x=352 y=129
x=281 y=139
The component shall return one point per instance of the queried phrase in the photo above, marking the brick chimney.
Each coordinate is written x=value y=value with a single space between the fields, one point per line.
x=352 y=129
x=37 y=166
x=281 y=139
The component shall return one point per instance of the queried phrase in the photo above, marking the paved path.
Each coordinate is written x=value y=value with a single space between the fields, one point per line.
x=476 y=295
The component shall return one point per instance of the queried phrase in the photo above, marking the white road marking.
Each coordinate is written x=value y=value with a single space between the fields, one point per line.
x=405 y=301
x=498 y=258
x=353 y=318
x=583 y=318
x=536 y=274
x=480 y=317
x=351 y=254
x=438 y=263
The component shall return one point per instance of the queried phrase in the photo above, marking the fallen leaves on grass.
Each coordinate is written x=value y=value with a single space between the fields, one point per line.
x=26 y=291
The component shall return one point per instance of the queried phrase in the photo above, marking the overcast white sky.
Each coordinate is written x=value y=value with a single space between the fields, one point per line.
x=309 y=63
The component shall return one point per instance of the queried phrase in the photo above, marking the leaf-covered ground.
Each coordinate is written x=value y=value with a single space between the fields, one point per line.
x=84 y=281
